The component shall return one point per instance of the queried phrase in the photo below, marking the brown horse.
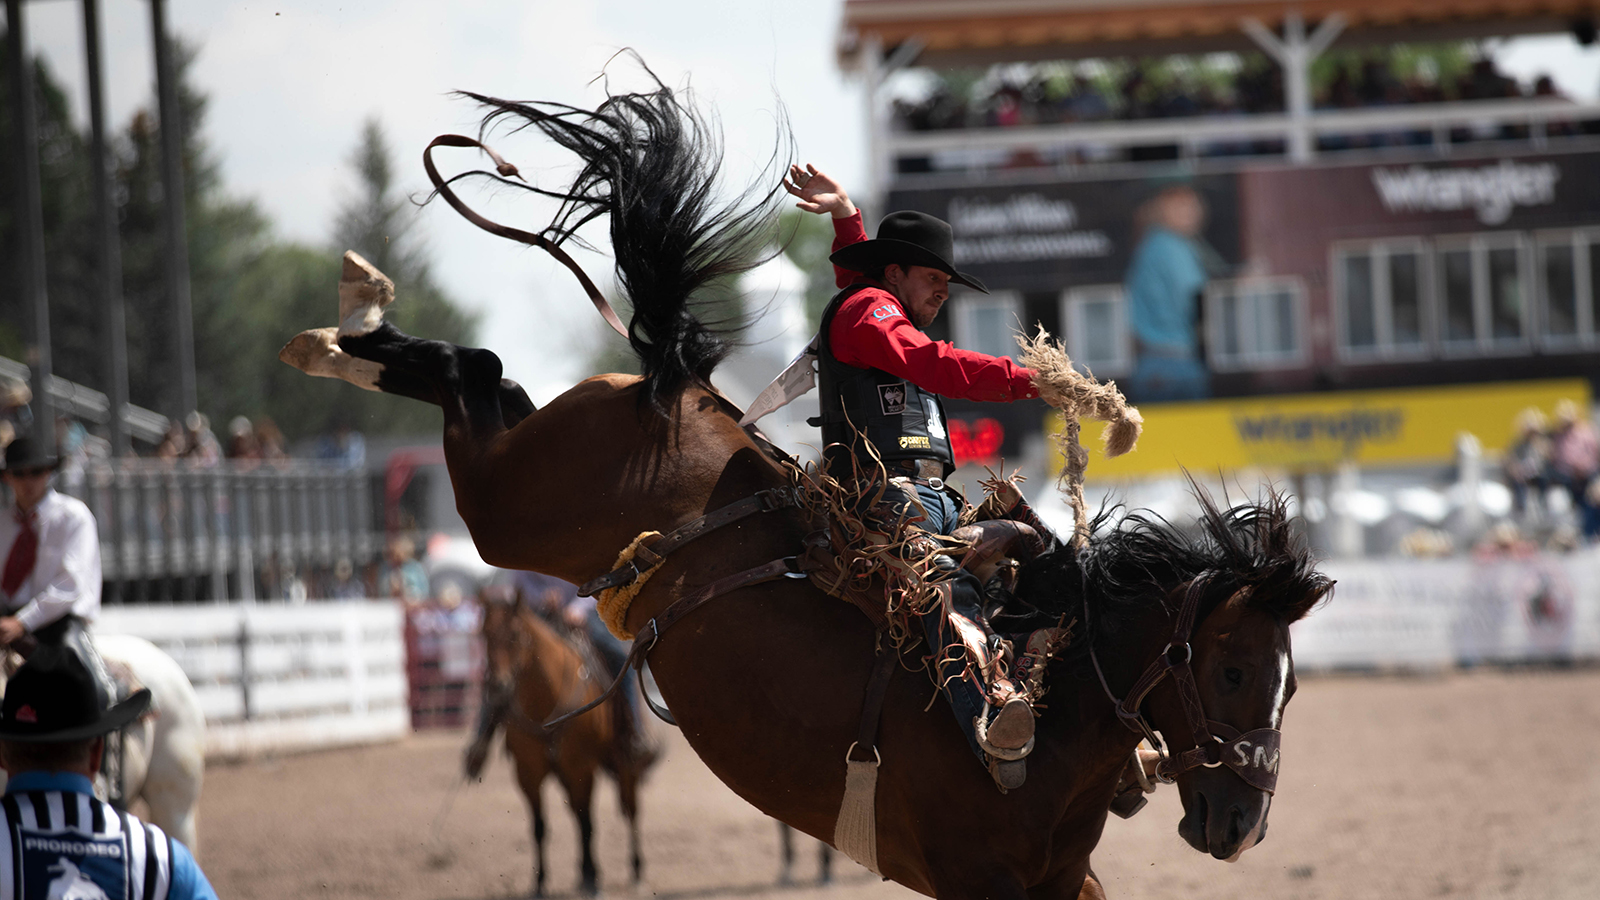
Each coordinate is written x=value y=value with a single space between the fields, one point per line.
x=532 y=673
x=767 y=682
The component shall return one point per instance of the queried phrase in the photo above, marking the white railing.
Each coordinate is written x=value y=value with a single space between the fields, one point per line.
x=172 y=519
x=1194 y=133
x=275 y=677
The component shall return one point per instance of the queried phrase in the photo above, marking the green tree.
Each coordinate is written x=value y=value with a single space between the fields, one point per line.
x=249 y=293
x=290 y=287
x=68 y=232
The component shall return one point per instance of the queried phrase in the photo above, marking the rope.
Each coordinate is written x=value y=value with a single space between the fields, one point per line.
x=1078 y=395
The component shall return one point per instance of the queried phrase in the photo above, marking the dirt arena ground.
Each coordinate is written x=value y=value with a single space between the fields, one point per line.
x=1475 y=785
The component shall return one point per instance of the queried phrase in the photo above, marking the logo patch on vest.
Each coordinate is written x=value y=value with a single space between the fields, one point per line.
x=935 y=421
x=73 y=867
x=914 y=442
x=892 y=397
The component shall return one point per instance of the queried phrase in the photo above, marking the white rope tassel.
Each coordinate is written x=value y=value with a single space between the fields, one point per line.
x=856 y=833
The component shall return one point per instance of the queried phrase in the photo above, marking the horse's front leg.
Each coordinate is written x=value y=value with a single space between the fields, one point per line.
x=579 y=782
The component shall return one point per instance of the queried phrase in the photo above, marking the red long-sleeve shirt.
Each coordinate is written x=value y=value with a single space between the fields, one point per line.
x=871 y=331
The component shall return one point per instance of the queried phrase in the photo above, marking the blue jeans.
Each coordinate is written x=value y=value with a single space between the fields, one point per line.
x=967 y=700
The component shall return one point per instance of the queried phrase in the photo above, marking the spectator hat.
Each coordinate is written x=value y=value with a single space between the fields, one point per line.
x=27 y=453
x=53 y=698
x=907 y=238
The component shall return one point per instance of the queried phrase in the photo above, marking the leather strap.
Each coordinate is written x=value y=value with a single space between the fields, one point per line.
x=651 y=555
x=1253 y=756
x=646 y=638
x=507 y=170
x=883 y=666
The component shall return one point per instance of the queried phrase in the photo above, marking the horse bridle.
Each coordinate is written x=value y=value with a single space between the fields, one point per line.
x=1252 y=755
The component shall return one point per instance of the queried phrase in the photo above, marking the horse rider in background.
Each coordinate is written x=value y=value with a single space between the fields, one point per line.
x=64 y=842
x=50 y=583
x=558 y=603
x=882 y=375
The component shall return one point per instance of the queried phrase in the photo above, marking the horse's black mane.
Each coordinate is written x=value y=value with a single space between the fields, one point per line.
x=651 y=162
x=1136 y=564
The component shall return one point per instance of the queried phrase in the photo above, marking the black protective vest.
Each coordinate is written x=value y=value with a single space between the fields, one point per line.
x=901 y=420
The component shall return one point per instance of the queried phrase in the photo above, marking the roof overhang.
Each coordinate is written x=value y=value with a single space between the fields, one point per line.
x=980 y=32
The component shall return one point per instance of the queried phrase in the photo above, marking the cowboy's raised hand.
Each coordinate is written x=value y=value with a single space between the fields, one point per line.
x=818 y=193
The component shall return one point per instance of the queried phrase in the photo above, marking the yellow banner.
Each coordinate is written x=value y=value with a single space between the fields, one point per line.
x=1312 y=431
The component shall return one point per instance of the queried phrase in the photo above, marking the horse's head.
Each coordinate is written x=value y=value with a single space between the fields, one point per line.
x=1226 y=756
x=504 y=637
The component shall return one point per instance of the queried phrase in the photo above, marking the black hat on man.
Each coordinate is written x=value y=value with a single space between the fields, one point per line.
x=27 y=453
x=907 y=238
x=52 y=698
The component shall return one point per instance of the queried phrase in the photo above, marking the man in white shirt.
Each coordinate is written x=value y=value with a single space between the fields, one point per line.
x=50 y=580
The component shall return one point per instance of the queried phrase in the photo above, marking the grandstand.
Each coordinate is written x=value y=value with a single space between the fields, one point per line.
x=1374 y=204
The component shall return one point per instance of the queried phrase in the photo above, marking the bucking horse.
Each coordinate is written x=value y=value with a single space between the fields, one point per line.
x=1179 y=636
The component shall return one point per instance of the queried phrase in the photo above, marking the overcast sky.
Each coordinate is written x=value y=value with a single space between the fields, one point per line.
x=290 y=83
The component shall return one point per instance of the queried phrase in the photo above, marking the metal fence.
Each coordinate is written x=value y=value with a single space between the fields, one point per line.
x=165 y=519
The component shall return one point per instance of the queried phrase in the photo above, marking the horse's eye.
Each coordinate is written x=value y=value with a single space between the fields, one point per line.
x=1235 y=676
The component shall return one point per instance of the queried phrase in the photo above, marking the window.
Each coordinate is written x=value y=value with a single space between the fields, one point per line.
x=1567 y=266
x=1096 y=320
x=1381 y=298
x=1483 y=293
x=988 y=323
x=1255 y=323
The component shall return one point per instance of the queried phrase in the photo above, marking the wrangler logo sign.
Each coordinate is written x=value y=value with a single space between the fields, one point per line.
x=1319 y=431
x=1491 y=191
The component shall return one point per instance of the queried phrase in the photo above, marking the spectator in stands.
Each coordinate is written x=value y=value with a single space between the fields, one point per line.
x=402 y=575
x=270 y=440
x=174 y=443
x=1527 y=463
x=1164 y=283
x=242 y=443
x=15 y=415
x=1575 y=460
x=345 y=585
x=345 y=446
x=203 y=448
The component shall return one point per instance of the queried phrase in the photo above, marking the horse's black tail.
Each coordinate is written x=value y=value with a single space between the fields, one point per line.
x=651 y=162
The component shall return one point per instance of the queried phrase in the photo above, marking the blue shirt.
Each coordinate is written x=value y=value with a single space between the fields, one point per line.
x=1164 y=283
x=187 y=879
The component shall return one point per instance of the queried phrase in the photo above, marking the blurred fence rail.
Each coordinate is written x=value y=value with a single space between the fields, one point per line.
x=168 y=519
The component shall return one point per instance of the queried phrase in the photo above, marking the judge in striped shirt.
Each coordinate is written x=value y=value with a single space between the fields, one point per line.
x=58 y=840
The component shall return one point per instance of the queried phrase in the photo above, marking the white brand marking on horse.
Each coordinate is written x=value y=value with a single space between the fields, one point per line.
x=1281 y=688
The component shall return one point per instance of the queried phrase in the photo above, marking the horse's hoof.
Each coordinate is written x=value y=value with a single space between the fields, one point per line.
x=363 y=293
x=317 y=352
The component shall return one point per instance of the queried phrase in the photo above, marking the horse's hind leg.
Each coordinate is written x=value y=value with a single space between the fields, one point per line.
x=372 y=354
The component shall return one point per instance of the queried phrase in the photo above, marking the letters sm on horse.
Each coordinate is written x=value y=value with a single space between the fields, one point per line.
x=768 y=680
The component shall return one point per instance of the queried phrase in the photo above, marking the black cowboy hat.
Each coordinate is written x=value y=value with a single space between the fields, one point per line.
x=907 y=238
x=52 y=698
x=27 y=453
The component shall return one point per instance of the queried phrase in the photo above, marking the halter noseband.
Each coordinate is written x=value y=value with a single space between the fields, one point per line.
x=1253 y=755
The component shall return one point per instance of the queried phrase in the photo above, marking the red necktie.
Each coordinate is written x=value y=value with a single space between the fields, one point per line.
x=19 y=565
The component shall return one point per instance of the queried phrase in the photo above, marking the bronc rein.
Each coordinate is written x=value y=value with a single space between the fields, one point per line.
x=1252 y=755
